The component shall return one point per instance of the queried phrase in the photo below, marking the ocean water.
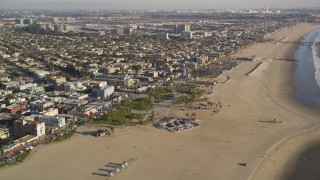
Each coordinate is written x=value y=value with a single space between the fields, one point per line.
x=307 y=74
x=308 y=166
x=307 y=81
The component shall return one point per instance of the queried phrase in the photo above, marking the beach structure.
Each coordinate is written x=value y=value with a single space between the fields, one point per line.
x=177 y=124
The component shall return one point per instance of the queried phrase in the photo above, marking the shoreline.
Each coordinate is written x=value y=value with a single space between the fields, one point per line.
x=289 y=149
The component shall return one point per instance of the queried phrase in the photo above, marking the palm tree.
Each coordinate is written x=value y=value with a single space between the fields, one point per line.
x=209 y=104
x=219 y=104
x=193 y=115
x=152 y=115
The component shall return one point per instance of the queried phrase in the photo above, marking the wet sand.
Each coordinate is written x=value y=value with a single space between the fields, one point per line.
x=240 y=133
x=308 y=165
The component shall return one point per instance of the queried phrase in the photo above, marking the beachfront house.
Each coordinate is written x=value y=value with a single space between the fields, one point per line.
x=23 y=127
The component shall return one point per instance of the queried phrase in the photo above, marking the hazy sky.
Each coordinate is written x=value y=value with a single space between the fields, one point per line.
x=154 y=4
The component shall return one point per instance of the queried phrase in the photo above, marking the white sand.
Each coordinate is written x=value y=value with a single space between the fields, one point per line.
x=213 y=150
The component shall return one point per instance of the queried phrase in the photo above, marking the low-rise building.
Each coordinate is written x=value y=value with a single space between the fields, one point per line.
x=4 y=132
x=105 y=92
x=22 y=127
x=55 y=121
x=50 y=112
x=73 y=86
x=14 y=108
x=26 y=86
x=78 y=96
x=5 y=92
x=59 y=80
x=41 y=104
x=115 y=80
x=36 y=90
x=11 y=84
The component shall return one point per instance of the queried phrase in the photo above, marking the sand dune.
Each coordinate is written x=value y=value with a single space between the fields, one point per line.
x=240 y=133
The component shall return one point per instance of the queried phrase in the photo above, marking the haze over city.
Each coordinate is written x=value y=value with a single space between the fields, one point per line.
x=153 y=4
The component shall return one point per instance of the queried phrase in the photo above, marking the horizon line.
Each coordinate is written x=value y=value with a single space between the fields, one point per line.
x=162 y=9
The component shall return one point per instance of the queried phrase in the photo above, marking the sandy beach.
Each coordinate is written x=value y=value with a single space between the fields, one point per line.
x=241 y=133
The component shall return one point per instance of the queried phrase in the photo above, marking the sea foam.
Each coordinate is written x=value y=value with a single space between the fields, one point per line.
x=316 y=59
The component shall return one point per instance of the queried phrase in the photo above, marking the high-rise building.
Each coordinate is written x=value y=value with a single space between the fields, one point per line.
x=175 y=28
x=41 y=26
x=27 y=21
x=185 y=27
x=163 y=35
x=117 y=31
x=19 y=21
x=69 y=19
x=65 y=27
x=56 y=28
x=186 y=35
x=55 y=20
x=127 y=31
x=49 y=27
x=181 y=27
x=61 y=28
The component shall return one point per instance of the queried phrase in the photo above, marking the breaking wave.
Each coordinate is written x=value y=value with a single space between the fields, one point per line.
x=316 y=59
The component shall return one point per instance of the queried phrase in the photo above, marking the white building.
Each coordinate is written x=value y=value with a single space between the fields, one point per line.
x=4 y=132
x=51 y=112
x=41 y=73
x=27 y=86
x=73 y=86
x=105 y=92
x=55 y=20
x=99 y=84
x=53 y=121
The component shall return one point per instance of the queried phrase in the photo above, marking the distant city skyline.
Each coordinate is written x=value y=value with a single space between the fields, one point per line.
x=154 y=4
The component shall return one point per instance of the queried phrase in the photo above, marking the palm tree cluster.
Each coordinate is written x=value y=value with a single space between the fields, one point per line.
x=215 y=106
x=191 y=94
x=160 y=94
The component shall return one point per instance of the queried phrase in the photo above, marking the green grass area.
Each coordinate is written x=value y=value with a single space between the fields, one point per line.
x=64 y=137
x=203 y=100
x=23 y=156
x=161 y=94
x=191 y=95
x=19 y=159
x=86 y=91
x=186 y=89
x=142 y=104
x=118 y=116
x=5 y=165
